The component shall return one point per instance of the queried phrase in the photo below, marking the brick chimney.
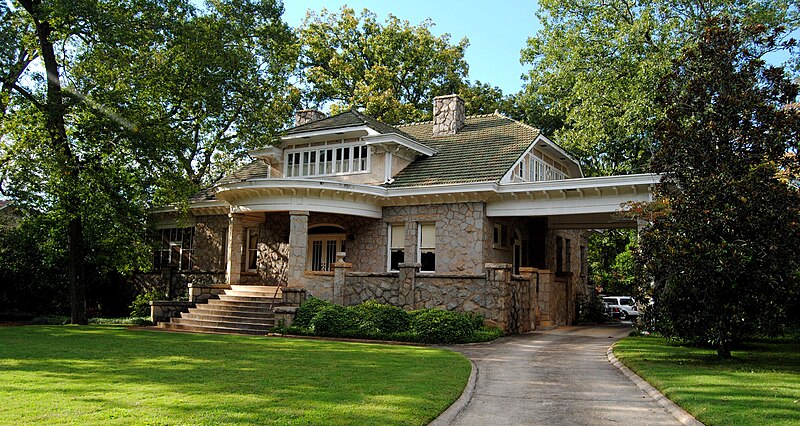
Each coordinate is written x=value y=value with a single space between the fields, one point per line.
x=448 y=115
x=304 y=116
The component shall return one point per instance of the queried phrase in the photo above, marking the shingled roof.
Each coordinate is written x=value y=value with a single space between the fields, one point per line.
x=482 y=151
x=348 y=118
x=256 y=169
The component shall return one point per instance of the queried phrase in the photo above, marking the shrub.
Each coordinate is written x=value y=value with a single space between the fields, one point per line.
x=141 y=305
x=121 y=321
x=307 y=311
x=382 y=318
x=50 y=320
x=335 y=320
x=438 y=326
x=590 y=309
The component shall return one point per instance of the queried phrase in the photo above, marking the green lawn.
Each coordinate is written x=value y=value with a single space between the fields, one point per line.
x=759 y=386
x=113 y=375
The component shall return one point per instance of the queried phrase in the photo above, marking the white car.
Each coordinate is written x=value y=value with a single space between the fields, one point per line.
x=622 y=307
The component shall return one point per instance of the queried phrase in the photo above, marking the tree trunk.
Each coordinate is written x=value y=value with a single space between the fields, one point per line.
x=67 y=189
x=724 y=349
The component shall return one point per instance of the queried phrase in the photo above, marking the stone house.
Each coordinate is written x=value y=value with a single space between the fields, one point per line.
x=475 y=213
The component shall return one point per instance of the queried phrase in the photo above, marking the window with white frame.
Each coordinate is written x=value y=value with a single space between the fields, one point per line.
x=332 y=158
x=175 y=250
x=251 y=257
x=323 y=244
x=427 y=247
x=500 y=237
x=537 y=167
x=397 y=246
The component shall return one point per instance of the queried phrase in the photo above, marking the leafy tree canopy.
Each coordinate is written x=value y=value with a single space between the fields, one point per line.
x=111 y=106
x=721 y=264
x=391 y=70
x=596 y=66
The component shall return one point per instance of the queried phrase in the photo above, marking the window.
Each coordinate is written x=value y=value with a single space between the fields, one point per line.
x=176 y=249
x=533 y=168
x=251 y=258
x=397 y=243
x=500 y=237
x=323 y=244
x=427 y=247
x=352 y=156
x=568 y=255
x=559 y=254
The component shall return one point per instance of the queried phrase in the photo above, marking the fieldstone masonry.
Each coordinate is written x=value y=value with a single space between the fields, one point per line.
x=234 y=248
x=448 y=115
x=307 y=115
x=298 y=247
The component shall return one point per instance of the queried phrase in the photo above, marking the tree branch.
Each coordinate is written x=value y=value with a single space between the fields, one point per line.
x=28 y=95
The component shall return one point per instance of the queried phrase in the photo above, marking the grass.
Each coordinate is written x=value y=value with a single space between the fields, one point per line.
x=115 y=375
x=760 y=385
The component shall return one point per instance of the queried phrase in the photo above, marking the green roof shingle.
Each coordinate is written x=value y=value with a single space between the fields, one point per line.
x=482 y=151
x=253 y=170
x=348 y=118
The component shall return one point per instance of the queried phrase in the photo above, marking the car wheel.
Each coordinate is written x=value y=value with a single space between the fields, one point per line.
x=623 y=316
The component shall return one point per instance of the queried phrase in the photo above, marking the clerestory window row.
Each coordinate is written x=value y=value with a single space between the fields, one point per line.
x=327 y=160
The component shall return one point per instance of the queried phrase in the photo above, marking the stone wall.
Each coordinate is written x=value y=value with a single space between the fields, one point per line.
x=459 y=234
x=502 y=299
x=319 y=285
x=210 y=238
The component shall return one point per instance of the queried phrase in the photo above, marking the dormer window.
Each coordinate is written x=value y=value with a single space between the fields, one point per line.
x=328 y=159
x=537 y=168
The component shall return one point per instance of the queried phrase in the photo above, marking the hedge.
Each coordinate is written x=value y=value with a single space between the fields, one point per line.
x=376 y=321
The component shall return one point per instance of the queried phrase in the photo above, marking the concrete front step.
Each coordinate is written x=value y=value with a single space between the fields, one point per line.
x=241 y=309
x=240 y=306
x=205 y=329
x=229 y=310
x=263 y=325
x=229 y=316
x=249 y=299
x=254 y=290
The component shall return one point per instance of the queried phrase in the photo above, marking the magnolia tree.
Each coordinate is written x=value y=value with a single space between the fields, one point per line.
x=721 y=262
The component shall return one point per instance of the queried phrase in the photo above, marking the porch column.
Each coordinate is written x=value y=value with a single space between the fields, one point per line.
x=298 y=247
x=234 y=248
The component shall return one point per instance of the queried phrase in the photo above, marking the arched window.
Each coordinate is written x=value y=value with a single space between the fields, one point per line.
x=324 y=241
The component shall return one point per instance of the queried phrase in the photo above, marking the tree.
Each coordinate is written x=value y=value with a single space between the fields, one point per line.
x=112 y=106
x=721 y=264
x=596 y=66
x=392 y=71
x=611 y=268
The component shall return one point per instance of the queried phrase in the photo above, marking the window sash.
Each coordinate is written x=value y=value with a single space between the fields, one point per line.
x=397 y=242
x=427 y=247
x=252 y=250
x=328 y=160
x=176 y=249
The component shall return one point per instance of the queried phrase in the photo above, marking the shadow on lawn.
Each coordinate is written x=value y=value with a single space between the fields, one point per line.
x=232 y=379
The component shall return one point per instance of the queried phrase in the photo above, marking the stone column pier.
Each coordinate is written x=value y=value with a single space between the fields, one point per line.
x=340 y=270
x=532 y=275
x=234 y=248
x=408 y=285
x=298 y=248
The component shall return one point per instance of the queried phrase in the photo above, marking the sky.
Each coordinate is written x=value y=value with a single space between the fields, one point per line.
x=497 y=30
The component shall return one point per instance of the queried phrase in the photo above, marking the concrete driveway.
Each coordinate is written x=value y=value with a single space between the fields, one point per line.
x=557 y=377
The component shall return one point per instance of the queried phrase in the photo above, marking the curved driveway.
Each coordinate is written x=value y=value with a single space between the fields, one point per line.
x=557 y=377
